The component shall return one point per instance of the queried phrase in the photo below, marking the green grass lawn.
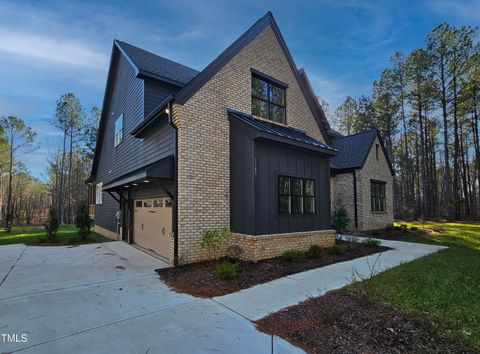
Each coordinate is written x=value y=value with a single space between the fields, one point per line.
x=444 y=287
x=36 y=235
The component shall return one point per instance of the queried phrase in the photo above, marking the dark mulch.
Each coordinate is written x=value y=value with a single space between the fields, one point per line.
x=341 y=322
x=198 y=278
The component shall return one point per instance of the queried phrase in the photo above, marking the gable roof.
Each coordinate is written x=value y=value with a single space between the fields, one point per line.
x=287 y=134
x=155 y=66
x=353 y=150
x=206 y=74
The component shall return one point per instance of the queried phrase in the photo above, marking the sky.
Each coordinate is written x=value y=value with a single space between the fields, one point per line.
x=48 y=48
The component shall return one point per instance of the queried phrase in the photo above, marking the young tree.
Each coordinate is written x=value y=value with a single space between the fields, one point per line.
x=345 y=116
x=19 y=136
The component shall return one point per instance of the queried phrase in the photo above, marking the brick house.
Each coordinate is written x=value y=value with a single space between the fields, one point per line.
x=242 y=144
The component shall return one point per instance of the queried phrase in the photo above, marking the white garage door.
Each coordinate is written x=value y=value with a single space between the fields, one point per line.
x=153 y=225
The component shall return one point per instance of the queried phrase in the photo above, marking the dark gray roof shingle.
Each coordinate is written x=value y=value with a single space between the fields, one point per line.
x=352 y=149
x=149 y=63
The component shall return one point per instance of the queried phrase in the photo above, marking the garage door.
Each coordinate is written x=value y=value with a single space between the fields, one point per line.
x=153 y=225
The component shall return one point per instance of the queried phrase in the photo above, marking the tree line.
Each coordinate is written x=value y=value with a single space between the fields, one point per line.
x=25 y=199
x=426 y=106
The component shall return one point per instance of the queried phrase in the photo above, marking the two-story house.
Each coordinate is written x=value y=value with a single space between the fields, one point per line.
x=242 y=144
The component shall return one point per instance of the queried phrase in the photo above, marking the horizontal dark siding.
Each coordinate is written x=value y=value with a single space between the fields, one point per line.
x=155 y=93
x=131 y=154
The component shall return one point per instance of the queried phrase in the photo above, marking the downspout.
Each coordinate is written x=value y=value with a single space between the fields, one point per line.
x=355 y=198
x=175 y=193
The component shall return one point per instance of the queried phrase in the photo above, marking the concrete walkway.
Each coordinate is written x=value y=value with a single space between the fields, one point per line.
x=106 y=298
x=258 y=301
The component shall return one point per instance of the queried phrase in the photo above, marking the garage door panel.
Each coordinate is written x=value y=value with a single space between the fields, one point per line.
x=153 y=225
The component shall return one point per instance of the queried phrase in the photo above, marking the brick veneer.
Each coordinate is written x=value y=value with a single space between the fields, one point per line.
x=260 y=247
x=203 y=138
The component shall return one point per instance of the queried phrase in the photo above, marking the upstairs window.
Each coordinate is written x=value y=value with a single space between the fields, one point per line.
x=268 y=100
x=377 y=195
x=296 y=195
x=377 y=147
x=119 y=130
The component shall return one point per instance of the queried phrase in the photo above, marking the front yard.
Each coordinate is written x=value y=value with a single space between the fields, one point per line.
x=435 y=297
x=36 y=235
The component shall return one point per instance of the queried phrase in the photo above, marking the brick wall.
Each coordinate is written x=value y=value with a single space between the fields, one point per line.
x=342 y=195
x=260 y=247
x=203 y=138
x=378 y=170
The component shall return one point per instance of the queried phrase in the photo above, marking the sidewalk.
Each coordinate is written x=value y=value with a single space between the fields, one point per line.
x=258 y=301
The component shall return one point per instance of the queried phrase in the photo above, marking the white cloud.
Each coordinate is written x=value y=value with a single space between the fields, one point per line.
x=51 y=49
x=469 y=10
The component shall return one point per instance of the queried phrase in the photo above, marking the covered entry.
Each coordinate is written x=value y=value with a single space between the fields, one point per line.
x=152 y=219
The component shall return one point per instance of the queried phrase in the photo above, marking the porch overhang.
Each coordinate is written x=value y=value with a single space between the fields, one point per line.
x=162 y=170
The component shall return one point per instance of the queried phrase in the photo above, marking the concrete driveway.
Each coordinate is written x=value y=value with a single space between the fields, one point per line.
x=106 y=298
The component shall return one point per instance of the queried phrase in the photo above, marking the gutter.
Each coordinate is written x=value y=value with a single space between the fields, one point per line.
x=175 y=193
x=355 y=202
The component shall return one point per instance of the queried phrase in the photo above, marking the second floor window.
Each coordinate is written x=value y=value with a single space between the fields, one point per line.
x=268 y=100
x=119 y=130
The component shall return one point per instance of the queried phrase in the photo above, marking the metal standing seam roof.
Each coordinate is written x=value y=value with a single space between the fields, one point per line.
x=352 y=149
x=149 y=63
x=278 y=130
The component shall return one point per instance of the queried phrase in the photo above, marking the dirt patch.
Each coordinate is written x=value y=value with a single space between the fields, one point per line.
x=198 y=278
x=341 y=322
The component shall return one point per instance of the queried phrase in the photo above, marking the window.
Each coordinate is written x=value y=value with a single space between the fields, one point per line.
x=376 y=150
x=99 y=193
x=378 y=195
x=119 y=130
x=138 y=204
x=296 y=195
x=268 y=100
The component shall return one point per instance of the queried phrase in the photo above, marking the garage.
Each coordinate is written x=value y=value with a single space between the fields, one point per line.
x=153 y=225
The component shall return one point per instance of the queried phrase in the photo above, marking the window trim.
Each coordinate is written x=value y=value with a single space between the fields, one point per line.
x=382 y=199
x=290 y=195
x=115 y=144
x=270 y=81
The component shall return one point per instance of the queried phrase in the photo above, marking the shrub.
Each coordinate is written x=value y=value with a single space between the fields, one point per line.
x=226 y=270
x=217 y=242
x=414 y=228
x=315 y=251
x=51 y=226
x=234 y=251
x=372 y=243
x=294 y=256
x=340 y=220
x=339 y=249
x=83 y=221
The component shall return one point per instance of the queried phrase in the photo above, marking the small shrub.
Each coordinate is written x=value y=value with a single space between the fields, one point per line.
x=315 y=251
x=372 y=243
x=52 y=225
x=217 y=242
x=234 y=251
x=83 y=222
x=294 y=256
x=339 y=249
x=340 y=220
x=226 y=270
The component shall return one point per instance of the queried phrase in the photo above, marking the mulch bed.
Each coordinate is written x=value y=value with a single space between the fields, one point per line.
x=198 y=278
x=341 y=322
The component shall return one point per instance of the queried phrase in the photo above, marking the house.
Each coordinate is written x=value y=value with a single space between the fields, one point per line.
x=242 y=144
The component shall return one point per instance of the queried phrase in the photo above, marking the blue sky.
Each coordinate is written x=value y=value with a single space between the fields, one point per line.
x=52 y=47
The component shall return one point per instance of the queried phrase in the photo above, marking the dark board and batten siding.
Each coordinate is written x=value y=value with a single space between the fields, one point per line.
x=255 y=167
x=131 y=154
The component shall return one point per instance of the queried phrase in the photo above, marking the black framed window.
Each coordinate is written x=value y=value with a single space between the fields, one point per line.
x=268 y=100
x=378 y=195
x=296 y=195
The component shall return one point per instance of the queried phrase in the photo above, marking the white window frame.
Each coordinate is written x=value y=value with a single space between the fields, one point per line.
x=118 y=133
x=99 y=193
